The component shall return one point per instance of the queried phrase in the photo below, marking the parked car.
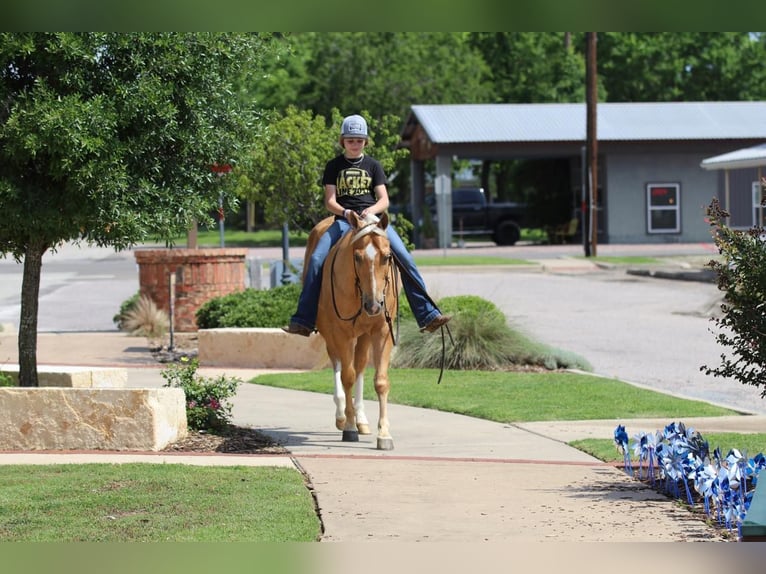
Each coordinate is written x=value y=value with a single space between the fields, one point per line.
x=472 y=214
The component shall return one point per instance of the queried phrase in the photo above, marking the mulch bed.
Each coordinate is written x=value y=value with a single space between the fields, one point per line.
x=231 y=440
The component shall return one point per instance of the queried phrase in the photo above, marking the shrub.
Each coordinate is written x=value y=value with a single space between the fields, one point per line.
x=125 y=308
x=250 y=308
x=6 y=380
x=207 y=399
x=145 y=319
x=741 y=276
x=483 y=340
x=405 y=311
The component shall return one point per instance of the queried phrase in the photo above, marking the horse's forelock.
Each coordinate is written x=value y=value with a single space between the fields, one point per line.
x=366 y=230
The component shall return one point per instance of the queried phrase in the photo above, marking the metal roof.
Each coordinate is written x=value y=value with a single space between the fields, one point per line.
x=484 y=123
x=742 y=158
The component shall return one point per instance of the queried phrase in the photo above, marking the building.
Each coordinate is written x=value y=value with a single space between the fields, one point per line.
x=652 y=185
x=742 y=173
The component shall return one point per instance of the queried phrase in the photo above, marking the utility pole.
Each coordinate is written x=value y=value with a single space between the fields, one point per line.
x=591 y=96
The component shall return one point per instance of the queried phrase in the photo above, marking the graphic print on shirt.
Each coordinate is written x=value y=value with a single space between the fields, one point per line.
x=353 y=182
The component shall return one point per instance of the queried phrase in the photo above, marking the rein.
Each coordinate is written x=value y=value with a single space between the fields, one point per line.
x=366 y=230
x=444 y=342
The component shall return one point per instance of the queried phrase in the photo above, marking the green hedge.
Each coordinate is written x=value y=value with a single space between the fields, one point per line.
x=250 y=308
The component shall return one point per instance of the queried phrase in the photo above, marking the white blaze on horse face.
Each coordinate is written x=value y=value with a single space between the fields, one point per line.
x=373 y=306
x=371 y=253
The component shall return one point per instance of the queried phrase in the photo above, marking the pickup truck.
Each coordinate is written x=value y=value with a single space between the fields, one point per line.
x=473 y=215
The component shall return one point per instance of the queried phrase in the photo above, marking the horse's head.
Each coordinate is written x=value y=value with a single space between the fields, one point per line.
x=372 y=261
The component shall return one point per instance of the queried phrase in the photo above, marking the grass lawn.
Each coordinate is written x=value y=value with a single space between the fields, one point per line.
x=436 y=260
x=515 y=396
x=237 y=238
x=273 y=238
x=154 y=503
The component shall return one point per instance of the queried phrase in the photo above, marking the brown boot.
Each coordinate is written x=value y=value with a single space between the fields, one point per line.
x=436 y=322
x=296 y=329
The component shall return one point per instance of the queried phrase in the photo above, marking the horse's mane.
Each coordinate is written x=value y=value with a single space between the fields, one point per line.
x=369 y=222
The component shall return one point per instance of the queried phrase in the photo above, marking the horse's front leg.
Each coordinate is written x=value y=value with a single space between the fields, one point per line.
x=344 y=381
x=361 y=358
x=381 y=357
x=339 y=398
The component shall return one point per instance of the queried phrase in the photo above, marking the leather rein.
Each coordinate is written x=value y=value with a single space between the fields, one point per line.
x=364 y=231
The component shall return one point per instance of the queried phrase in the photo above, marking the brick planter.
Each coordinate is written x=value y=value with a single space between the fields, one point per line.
x=200 y=275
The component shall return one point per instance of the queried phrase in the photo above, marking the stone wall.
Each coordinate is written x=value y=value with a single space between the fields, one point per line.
x=260 y=348
x=200 y=275
x=91 y=419
x=71 y=376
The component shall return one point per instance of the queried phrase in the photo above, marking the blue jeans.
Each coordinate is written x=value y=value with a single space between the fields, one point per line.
x=412 y=282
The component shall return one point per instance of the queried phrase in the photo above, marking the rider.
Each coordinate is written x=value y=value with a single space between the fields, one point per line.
x=356 y=182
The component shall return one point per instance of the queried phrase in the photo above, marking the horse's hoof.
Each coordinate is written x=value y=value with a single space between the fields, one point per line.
x=363 y=428
x=340 y=424
x=385 y=443
x=350 y=436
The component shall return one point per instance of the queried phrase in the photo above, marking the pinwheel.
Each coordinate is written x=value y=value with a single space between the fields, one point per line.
x=705 y=474
x=652 y=440
x=681 y=454
x=621 y=441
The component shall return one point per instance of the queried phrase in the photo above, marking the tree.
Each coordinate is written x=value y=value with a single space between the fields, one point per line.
x=386 y=72
x=284 y=172
x=682 y=66
x=109 y=139
x=532 y=67
x=742 y=278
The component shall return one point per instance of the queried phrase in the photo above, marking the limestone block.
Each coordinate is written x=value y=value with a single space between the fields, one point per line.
x=74 y=377
x=260 y=349
x=90 y=419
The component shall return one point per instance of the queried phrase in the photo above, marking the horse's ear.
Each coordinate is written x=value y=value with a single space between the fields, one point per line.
x=383 y=223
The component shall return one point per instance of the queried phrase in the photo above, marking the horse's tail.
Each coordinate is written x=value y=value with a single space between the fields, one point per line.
x=311 y=243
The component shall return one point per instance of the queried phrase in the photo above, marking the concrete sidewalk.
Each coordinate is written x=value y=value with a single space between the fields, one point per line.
x=450 y=478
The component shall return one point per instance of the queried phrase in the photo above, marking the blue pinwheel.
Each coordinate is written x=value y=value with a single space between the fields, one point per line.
x=683 y=455
x=704 y=477
x=621 y=441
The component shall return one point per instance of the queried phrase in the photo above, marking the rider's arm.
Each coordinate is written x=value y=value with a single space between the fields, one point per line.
x=331 y=201
x=381 y=195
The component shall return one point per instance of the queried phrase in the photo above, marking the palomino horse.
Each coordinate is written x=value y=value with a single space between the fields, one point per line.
x=357 y=304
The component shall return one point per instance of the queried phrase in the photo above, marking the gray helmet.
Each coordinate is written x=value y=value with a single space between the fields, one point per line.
x=353 y=127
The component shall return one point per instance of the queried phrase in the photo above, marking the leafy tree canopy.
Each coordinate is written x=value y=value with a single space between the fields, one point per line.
x=284 y=172
x=532 y=67
x=110 y=138
x=682 y=66
x=382 y=72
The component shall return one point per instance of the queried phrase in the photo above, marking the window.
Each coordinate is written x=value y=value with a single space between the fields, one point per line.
x=663 y=204
x=758 y=195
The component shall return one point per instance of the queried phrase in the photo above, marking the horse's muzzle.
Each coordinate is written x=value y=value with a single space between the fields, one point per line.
x=372 y=307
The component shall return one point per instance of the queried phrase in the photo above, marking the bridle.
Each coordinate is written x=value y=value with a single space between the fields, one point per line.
x=370 y=227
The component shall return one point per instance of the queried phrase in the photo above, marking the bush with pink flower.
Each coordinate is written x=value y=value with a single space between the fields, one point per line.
x=207 y=399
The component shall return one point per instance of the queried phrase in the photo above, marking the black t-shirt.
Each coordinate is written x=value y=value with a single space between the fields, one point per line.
x=354 y=181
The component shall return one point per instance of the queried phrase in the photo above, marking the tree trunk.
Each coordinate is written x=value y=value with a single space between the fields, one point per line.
x=30 y=293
